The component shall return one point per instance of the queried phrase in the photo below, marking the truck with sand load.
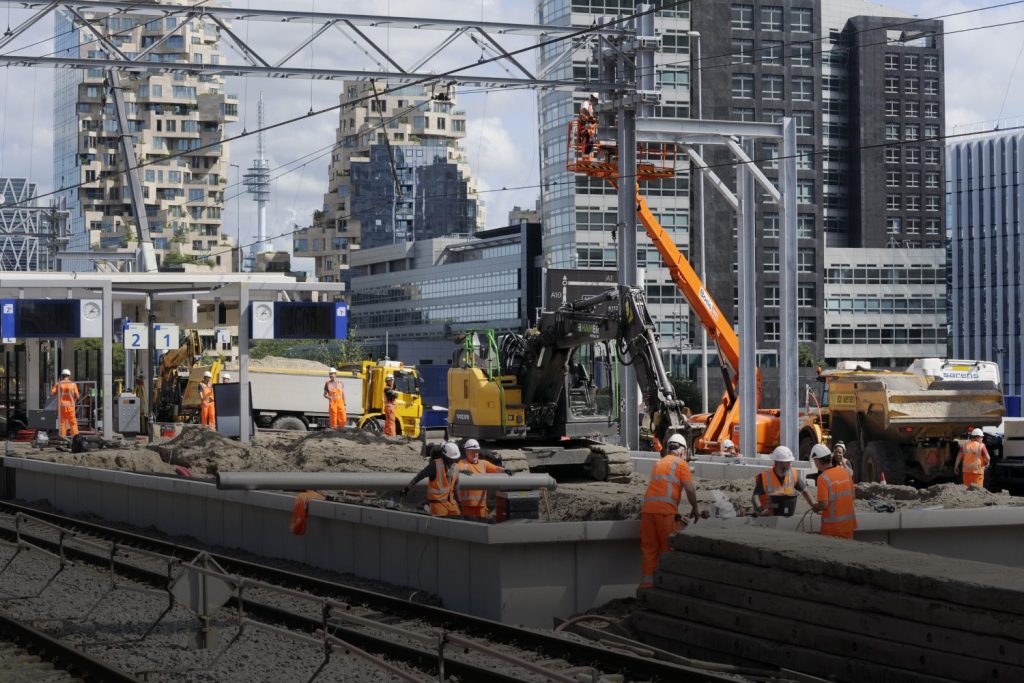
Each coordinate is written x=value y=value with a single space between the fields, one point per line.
x=903 y=425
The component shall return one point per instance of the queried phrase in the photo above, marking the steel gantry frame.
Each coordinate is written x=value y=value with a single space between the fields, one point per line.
x=256 y=60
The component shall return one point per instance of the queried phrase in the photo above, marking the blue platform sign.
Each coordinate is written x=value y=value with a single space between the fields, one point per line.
x=340 y=320
x=7 y=320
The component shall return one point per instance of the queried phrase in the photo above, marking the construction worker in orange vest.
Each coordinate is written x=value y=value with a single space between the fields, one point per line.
x=659 y=516
x=442 y=488
x=474 y=501
x=66 y=392
x=835 y=495
x=780 y=480
x=207 y=411
x=973 y=459
x=587 y=126
x=390 y=406
x=334 y=392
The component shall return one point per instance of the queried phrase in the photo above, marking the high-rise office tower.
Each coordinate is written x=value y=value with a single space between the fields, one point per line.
x=397 y=174
x=172 y=113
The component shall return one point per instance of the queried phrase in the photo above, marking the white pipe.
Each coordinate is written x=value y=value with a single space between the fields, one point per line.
x=367 y=481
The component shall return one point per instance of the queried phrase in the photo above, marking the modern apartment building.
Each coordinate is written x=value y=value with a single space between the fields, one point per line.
x=168 y=114
x=397 y=174
x=986 y=200
x=865 y=87
x=27 y=241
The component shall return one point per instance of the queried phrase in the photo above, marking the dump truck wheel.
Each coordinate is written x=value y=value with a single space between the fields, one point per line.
x=884 y=457
x=289 y=422
x=854 y=456
x=373 y=425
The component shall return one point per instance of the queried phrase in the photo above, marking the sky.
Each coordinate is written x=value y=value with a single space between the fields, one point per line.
x=984 y=82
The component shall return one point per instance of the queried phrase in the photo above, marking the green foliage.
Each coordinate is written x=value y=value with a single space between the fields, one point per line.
x=334 y=353
x=97 y=345
x=806 y=358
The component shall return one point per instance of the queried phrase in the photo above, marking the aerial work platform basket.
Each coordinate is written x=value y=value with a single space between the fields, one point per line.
x=654 y=161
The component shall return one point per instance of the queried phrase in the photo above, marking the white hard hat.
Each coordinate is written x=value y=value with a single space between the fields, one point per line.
x=594 y=96
x=782 y=454
x=332 y=371
x=728 y=444
x=820 y=452
x=450 y=451
x=471 y=445
x=389 y=377
x=676 y=441
x=65 y=373
x=226 y=376
x=974 y=432
x=207 y=374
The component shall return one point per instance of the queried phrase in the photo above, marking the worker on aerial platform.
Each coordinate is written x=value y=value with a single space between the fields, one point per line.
x=587 y=126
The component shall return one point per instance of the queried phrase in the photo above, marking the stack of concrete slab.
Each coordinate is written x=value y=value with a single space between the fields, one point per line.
x=843 y=610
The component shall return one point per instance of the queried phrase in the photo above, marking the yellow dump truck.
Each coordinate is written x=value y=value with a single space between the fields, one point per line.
x=906 y=424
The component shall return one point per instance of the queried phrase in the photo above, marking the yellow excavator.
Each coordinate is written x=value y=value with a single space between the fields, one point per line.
x=176 y=368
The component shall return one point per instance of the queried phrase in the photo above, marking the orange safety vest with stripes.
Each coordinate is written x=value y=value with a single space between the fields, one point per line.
x=835 y=487
x=206 y=393
x=335 y=390
x=442 y=486
x=67 y=393
x=666 y=486
x=475 y=497
x=773 y=486
x=975 y=457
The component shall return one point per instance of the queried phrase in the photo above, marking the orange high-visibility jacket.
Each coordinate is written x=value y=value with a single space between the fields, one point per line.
x=66 y=392
x=773 y=486
x=335 y=390
x=206 y=393
x=442 y=487
x=975 y=457
x=835 y=488
x=666 y=486
x=475 y=497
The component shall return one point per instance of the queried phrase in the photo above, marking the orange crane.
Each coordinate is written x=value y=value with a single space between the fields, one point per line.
x=657 y=161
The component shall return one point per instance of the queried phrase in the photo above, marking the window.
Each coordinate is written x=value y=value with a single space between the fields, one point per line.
x=931 y=227
x=931 y=63
x=802 y=54
x=892 y=107
x=804 y=122
x=805 y=226
x=805 y=260
x=195 y=195
x=771 y=155
x=801 y=20
x=774 y=115
x=742 y=113
x=931 y=86
x=771 y=18
x=931 y=203
x=913 y=202
x=892 y=155
x=803 y=89
x=911 y=131
x=772 y=87
x=912 y=155
x=911 y=86
x=893 y=202
x=743 y=17
x=892 y=131
x=931 y=180
x=742 y=51
x=931 y=131
x=771 y=225
x=893 y=225
x=805 y=157
x=771 y=52
x=771 y=259
x=931 y=156
x=807 y=295
x=911 y=62
x=912 y=109
x=743 y=85
x=805 y=191
x=771 y=329
x=913 y=178
x=892 y=86
x=892 y=60
x=771 y=296
x=892 y=178
x=806 y=328
x=931 y=110
x=913 y=226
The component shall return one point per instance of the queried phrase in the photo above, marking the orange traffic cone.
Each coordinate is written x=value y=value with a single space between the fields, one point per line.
x=881 y=480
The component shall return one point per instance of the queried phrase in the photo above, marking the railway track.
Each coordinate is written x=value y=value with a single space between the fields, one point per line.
x=434 y=641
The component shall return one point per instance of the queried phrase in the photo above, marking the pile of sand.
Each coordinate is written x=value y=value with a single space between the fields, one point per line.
x=288 y=363
x=938 y=496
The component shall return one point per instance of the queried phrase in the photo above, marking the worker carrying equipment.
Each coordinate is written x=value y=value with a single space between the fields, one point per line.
x=973 y=459
x=443 y=474
x=474 y=501
x=207 y=409
x=781 y=481
x=835 y=499
x=659 y=516
x=390 y=406
x=66 y=392
x=334 y=392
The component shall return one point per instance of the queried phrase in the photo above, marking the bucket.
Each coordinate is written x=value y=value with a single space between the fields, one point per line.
x=783 y=506
x=167 y=431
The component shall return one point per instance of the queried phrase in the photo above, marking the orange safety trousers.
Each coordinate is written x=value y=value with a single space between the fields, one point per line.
x=68 y=421
x=207 y=412
x=444 y=508
x=67 y=395
x=336 y=409
x=977 y=479
x=389 y=419
x=655 y=528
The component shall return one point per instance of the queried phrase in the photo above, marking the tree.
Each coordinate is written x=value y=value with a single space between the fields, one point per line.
x=687 y=391
x=806 y=358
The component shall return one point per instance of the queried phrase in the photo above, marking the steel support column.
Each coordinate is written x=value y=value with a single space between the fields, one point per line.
x=748 y=307
x=629 y=426
x=244 y=410
x=107 y=361
x=788 y=352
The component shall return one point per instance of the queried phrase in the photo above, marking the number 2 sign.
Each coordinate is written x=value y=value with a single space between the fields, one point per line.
x=136 y=336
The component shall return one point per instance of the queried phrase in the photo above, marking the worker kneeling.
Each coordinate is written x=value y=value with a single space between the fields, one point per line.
x=207 y=408
x=659 y=516
x=775 y=489
x=474 y=501
x=835 y=495
x=442 y=488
